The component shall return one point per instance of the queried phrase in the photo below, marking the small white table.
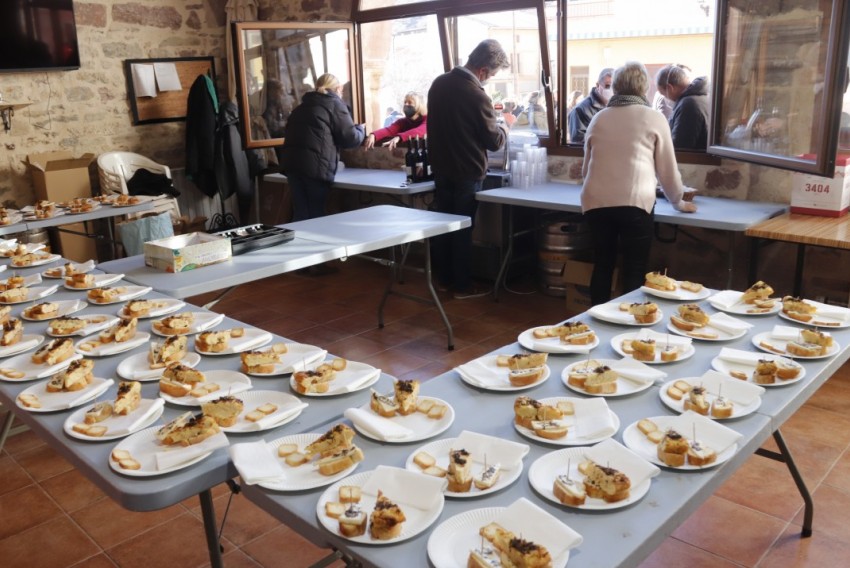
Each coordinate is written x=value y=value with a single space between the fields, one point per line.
x=387 y=182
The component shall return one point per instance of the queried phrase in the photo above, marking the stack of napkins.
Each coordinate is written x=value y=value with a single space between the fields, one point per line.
x=377 y=426
x=256 y=462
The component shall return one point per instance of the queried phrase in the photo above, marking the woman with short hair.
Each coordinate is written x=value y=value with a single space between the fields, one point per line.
x=412 y=124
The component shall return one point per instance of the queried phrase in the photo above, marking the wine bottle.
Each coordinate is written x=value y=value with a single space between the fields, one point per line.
x=419 y=170
x=426 y=162
x=410 y=161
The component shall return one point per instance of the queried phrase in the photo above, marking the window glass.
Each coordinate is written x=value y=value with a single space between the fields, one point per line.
x=844 y=129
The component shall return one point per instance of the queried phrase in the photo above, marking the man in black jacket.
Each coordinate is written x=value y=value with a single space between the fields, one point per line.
x=581 y=115
x=689 y=121
x=461 y=128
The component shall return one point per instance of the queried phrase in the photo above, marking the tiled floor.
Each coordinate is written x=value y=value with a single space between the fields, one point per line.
x=51 y=516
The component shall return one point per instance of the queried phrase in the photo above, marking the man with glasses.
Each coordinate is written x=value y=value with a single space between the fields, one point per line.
x=580 y=116
x=689 y=121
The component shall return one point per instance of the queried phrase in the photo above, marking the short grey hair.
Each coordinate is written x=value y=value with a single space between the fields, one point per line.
x=607 y=72
x=490 y=55
x=673 y=74
x=631 y=79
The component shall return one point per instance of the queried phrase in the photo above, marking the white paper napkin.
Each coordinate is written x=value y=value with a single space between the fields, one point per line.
x=833 y=312
x=636 y=371
x=612 y=453
x=554 y=345
x=247 y=343
x=377 y=426
x=407 y=488
x=611 y=311
x=740 y=392
x=741 y=357
x=24 y=345
x=785 y=332
x=663 y=339
x=176 y=455
x=30 y=280
x=134 y=294
x=256 y=462
x=137 y=375
x=726 y=299
x=482 y=375
x=87 y=394
x=525 y=518
x=210 y=323
x=47 y=291
x=140 y=419
x=53 y=369
x=358 y=379
x=592 y=418
x=505 y=452
x=728 y=324
x=275 y=417
x=116 y=347
x=708 y=432
x=84 y=266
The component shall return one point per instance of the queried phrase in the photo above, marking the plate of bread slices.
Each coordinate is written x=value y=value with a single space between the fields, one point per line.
x=147 y=308
x=67 y=326
x=661 y=285
x=506 y=372
x=150 y=366
x=609 y=377
x=12 y=248
x=120 y=337
x=68 y=269
x=473 y=464
x=49 y=359
x=600 y=478
x=315 y=459
x=762 y=369
x=384 y=506
x=797 y=343
x=334 y=377
x=22 y=295
x=401 y=416
x=754 y=301
x=113 y=419
x=186 y=386
x=567 y=337
x=87 y=281
x=231 y=341
x=50 y=310
x=253 y=411
x=281 y=359
x=522 y=533
x=691 y=321
x=186 y=323
x=61 y=392
x=688 y=441
x=714 y=394
x=116 y=294
x=653 y=348
x=180 y=443
x=814 y=313
x=18 y=281
x=628 y=313
x=22 y=342
x=34 y=259
x=565 y=421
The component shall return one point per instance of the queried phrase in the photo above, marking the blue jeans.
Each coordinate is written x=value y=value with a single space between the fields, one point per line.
x=452 y=252
x=308 y=196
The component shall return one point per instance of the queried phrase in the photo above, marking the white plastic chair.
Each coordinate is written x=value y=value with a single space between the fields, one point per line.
x=115 y=168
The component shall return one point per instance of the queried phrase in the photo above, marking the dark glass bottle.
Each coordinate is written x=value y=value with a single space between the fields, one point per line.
x=410 y=161
x=426 y=163
x=419 y=170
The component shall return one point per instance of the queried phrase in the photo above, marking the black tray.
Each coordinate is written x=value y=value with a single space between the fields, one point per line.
x=253 y=237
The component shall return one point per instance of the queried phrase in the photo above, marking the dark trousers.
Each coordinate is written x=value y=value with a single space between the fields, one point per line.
x=308 y=196
x=615 y=229
x=453 y=251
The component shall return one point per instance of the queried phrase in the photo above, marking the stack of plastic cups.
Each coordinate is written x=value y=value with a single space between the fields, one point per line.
x=530 y=168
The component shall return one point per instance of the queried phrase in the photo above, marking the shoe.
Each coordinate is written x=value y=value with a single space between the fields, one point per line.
x=471 y=293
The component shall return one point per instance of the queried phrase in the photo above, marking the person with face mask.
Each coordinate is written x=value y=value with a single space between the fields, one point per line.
x=412 y=124
x=689 y=121
x=599 y=95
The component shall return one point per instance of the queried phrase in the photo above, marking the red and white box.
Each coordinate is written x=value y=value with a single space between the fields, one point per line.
x=827 y=197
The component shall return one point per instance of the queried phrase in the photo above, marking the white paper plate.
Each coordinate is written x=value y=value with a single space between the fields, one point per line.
x=130 y=293
x=254 y=398
x=417 y=521
x=30 y=280
x=544 y=470
x=19 y=347
x=305 y=476
x=91 y=327
x=422 y=426
x=95 y=207
x=490 y=362
x=679 y=295
x=528 y=341
x=35 y=293
x=107 y=349
x=113 y=423
x=55 y=401
x=721 y=335
x=81 y=268
x=143 y=446
x=202 y=321
x=571 y=439
x=612 y=313
x=228 y=381
x=298 y=357
x=451 y=541
x=741 y=308
x=823 y=321
x=23 y=364
x=638 y=443
x=686 y=352
x=625 y=387
x=440 y=450
x=781 y=344
x=729 y=367
x=100 y=280
x=340 y=385
x=42 y=262
x=251 y=334
x=66 y=308
x=139 y=362
x=31 y=247
x=738 y=410
x=169 y=305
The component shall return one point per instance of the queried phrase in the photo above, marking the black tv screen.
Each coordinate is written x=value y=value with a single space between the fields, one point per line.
x=37 y=35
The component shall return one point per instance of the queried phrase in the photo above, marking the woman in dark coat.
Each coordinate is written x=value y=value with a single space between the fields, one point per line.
x=315 y=132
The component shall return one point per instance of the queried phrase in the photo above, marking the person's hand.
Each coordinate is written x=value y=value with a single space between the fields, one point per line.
x=392 y=142
x=686 y=207
x=369 y=142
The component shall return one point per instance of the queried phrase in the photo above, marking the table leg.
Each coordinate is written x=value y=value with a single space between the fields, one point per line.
x=213 y=544
x=798 y=271
x=503 y=270
x=784 y=456
x=7 y=426
x=220 y=297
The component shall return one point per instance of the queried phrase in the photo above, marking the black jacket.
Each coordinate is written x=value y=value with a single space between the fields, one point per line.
x=231 y=163
x=579 y=117
x=316 y=130
x=689 y=121
x=202 y=108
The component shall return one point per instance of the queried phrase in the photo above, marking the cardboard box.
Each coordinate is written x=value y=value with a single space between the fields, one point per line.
x=827 y=197
x=186 y=252
x=577 y=275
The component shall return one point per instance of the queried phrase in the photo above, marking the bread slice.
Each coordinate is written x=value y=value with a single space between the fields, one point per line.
x=697 y=401
x=569 y=492
x=213 y=341
x=224 y=410
x=659 y=281
x=488 y=477
x=128 y=398
x=121 y=332
x=173 y=349
x=42 y=311
x=699 y=455
x=758 y=291
x=76 y=377
x=349 y=494
x=694 y=314
x=644 y=349
x=141 y=308
x=525 y=377
x=13 y=331
x=192 y=431
x=337 y=438
x=550 y=429
x=334 y=510
x=340 y=461
x=525 y=410
x=67 y=325
x=803 y=349
x=98 y=413
x=106 y=294
x=80 y=281
x=14 y=295
x=673 y=448
x=722 y=407
x=406 y=396
x=383 y=405
x=353 y=522
x=181 y=373
x=791 y=304
x=603 y=380
x=424 y=460
x=386 y=519
x=316 y=381
x=647 y=426
x=816 y=337
x=669 y=353
x=459 y=471
x=606 y=483
x=260 y=361
x=527 y=361
x=646 y=312
x=176 y=324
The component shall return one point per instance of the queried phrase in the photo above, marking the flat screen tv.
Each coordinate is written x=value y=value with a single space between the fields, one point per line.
x=38 y=35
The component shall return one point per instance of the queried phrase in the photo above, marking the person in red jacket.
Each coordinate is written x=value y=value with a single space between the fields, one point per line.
x=414 y=123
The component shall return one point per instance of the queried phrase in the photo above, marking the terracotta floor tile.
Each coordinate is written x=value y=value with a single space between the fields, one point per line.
x=72 y=490
x=13 y=476
x=56 y=544
x=23 y=442
x=832 y=395
x=287 y=325
x=98 y=561
x=832 y=513
x=356 y=348
x=476 y=331
x=43 y=462
x=352 y=324
x=245 y=521
x=319 y=335
x=109 y=524
x=814 y=458
x=32 y=507
x=235 y=559
x=426 y=372
x=743 y=541
x=284 y=543
x=433 y=346
x=747 y=487
x=816 y=424
x=791 y=551
x=675 y=553
x=396 y=333
x=395 y=363
x=839 y=475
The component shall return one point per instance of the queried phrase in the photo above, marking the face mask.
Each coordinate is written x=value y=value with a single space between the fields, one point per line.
x=606 y=93
x=408 y=111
